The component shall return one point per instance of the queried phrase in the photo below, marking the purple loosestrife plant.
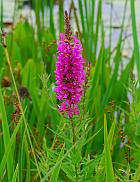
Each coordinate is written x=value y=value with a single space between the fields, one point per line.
x=70 y=74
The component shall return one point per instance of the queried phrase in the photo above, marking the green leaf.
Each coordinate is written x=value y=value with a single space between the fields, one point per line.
x=8 y=149
x=6 y=137
x=135 y=37
x=55 y=172
x=15 y=176
x=108 y=161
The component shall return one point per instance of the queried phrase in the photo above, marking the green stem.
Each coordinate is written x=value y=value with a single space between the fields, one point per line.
x=74 y=142
x=18 y=97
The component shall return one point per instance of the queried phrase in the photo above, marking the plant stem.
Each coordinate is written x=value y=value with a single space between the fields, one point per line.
x=18 y=97
x=74 y=142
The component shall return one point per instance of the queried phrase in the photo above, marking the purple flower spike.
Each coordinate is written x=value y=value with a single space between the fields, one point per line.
x=70 y=74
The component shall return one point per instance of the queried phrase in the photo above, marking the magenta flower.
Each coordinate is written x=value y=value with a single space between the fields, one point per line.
x=70 y=74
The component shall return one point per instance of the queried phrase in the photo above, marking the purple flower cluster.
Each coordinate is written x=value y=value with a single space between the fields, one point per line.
x=70 y=75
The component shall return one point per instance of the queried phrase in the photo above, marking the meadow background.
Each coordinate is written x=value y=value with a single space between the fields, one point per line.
x=38 y=143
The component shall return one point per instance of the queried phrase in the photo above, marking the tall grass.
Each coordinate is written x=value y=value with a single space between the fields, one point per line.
x=37 y=143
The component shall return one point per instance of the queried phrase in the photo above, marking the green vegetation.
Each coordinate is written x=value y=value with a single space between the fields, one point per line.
x=37 y=143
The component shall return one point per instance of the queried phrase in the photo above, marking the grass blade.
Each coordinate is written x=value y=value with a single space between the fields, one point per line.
x=108 y=160
x=135 y=38
x=6 y=137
